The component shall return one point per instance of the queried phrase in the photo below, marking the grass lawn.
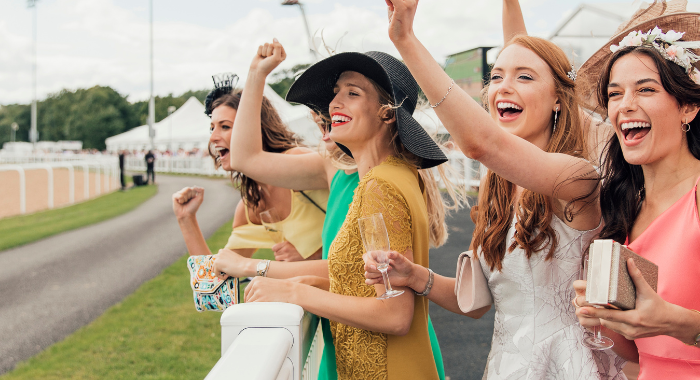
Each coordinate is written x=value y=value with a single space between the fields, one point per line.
x=18 y=230
x=155 y=333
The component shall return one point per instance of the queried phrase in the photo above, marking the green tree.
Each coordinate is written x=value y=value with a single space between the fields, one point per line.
x=283 y=79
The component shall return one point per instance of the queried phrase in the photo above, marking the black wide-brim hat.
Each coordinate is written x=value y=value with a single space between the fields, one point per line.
x=314 y=88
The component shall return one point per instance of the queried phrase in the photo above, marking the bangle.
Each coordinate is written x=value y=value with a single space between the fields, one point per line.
x=429 y=285
x=697 y=337
x=444 y=97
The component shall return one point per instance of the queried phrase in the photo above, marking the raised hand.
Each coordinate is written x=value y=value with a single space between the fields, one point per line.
x=186 y=202
x=268 y=57
x=401 y=15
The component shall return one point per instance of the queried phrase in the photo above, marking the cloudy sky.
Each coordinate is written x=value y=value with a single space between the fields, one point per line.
x=82 y=43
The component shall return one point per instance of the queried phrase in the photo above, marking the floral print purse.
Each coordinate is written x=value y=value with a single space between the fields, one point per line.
x=209 y=292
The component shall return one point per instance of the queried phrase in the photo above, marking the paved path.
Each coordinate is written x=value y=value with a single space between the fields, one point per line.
x=465 y=342
x=52 y=287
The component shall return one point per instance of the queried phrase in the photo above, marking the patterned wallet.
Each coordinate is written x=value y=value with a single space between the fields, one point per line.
x=209 y=292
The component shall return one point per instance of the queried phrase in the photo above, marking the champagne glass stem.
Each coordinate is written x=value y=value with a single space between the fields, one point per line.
x=385 y=275
x=597 y=333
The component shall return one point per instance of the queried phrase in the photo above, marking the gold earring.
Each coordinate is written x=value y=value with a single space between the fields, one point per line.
x=685 y=127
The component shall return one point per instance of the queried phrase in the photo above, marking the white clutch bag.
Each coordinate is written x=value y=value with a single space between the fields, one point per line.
x=471 y=287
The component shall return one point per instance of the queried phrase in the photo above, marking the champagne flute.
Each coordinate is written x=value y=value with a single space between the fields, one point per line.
x=597 y=341
x=270 y=220
x=375 y=238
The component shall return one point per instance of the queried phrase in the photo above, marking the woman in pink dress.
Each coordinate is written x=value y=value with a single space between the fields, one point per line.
x=649 y=199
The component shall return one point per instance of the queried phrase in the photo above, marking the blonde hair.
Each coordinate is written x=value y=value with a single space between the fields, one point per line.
x=438 y=207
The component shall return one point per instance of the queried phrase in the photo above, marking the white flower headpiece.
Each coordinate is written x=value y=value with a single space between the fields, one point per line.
x=668 y=45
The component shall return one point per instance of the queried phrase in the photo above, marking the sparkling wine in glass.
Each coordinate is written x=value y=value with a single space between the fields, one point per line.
x=596 y=341
x=270 y=220
x=375 y=238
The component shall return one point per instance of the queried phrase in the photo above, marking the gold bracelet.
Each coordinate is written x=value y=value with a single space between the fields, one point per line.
x=697 y=337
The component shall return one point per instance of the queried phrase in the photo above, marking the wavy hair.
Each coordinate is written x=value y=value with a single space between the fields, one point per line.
x=494 y=213
x=276 y=137
x=622 y=190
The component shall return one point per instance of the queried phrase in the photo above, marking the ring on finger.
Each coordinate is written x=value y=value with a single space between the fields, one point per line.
x=576 y=303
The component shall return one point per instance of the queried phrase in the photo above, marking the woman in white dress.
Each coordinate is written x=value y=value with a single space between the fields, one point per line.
x=537 y=209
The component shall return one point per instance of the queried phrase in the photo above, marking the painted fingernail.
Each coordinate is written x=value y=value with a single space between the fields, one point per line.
x=275 y=40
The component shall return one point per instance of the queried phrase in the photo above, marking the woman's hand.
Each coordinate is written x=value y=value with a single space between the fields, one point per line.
x=229 y=263
x=265 y=289
x=401 y=15
x=285 y=251
x=580 y=302
x=186 y=202
x=651 y=315
x=400 y=268
x=269 y=56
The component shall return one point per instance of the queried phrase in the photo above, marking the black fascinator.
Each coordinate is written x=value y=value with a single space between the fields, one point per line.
x=223 y=84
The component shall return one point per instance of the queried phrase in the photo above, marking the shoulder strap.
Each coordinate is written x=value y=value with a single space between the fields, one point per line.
x=245 y=207
x=312 y=201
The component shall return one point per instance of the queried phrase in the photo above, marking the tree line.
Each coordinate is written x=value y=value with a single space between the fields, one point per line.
x=94 y=114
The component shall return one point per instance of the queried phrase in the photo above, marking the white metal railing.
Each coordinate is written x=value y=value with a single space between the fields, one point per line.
x=467 y=170
x=178 y=165
x=106 y=175
x=268 y=341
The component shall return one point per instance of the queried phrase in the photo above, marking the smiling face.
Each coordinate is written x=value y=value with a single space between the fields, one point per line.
x=522 y=96
x=354 y=112
x=220 y=140
x=647 y=119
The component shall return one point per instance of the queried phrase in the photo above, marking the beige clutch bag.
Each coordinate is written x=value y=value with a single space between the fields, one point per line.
x=471 y=287
x=609 y=282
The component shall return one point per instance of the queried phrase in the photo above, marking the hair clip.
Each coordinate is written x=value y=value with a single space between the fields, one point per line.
x=572 y=74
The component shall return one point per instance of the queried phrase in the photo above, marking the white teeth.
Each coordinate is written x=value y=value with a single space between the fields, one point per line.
x=634 y=124
x=340 y=119
x=508 y=105
x=219 y=148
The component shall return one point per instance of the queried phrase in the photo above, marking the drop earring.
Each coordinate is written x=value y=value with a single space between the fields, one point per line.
x=555 y=120
x=685 y=126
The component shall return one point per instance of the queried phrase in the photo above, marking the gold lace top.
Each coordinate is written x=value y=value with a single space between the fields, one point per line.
x=392 y=188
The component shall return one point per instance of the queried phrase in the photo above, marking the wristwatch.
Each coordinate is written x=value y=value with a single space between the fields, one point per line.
x=262 y=267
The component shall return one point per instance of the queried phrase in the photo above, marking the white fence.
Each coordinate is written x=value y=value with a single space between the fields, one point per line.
x=268 y=341
x=178 y=165
x=106 y=171
x=467 y=170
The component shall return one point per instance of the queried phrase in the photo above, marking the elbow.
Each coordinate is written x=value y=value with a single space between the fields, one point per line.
x=238 y=164
x=402 y=327
x=474 y=151
x=478 y=313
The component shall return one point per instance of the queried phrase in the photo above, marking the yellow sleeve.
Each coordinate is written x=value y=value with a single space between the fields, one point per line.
x=381 y=197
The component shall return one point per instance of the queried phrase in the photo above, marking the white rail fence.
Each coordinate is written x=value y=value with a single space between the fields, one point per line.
x=467 y=170
x=268 y=341
x=106 y=170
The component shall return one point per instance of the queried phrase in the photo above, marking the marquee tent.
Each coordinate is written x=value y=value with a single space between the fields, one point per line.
x=188 y=127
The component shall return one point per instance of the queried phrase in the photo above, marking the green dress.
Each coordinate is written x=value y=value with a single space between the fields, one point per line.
x=341 y=193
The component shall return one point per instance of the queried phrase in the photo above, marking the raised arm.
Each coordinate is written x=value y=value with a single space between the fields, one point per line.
x=298 y=172
x=513 y=22
x=474 y=130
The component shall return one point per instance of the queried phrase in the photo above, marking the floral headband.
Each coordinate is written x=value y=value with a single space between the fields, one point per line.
x=668 y=45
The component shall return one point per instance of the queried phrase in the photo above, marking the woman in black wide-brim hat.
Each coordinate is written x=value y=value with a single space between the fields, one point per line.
x=369 y=100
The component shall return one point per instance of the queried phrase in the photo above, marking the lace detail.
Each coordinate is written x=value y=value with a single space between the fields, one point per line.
x=362 y=354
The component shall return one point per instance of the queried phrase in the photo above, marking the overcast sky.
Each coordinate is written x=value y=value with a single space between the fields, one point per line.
x=82 y=43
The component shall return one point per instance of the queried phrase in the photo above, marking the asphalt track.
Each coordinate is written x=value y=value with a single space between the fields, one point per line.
x=465 y=342
x=52 y=287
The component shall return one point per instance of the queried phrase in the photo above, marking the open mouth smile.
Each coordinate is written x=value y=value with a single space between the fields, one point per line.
x=221 y=153
x=508 y=111
x=339 y=119
x=633 y=132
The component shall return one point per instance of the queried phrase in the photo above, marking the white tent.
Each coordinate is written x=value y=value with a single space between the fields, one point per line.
x=188 y=127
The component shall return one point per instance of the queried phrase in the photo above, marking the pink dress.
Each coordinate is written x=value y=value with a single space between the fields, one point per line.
x=672 y=242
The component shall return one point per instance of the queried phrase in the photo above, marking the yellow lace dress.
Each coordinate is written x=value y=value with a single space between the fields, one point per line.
x=393 y=189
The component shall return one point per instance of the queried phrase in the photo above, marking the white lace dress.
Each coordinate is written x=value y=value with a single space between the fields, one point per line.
x=536 y=334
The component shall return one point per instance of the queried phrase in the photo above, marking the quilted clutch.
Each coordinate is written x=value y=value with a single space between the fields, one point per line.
x=210 y=293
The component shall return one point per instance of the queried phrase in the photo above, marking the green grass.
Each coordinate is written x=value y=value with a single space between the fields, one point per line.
x=155 y=333
x=25 y=229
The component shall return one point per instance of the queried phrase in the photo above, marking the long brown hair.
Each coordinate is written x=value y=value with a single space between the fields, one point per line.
x=497 y=205
x=275 y=138
x=622 y=190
